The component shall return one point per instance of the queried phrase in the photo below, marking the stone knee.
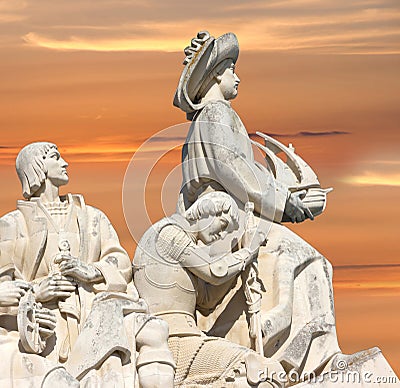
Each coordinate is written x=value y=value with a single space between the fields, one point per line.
x=155 y=363
x=264 y=372
x=60 y=378
x=152 y=342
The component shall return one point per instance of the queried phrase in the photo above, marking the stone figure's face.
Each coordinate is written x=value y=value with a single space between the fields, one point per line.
x=211 y=228
x=229 y=82
x=56 y=168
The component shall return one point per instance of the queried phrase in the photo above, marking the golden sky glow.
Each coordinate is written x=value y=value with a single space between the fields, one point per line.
x=371 y=178
x=98 y=79
x=364 y=27
x=82 y=44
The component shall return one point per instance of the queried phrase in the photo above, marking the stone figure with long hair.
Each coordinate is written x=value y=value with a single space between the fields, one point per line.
x=70 y=256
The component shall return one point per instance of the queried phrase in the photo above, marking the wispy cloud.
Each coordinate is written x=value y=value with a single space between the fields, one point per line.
x=376 y=278
x=106 y=149
x=320 y=26
x=12 y=11
x=365 y=266
x=165 y=139
x=382 y=162
x=372 y=178
x=303 y=134
x=393 y=286
x=86 y=44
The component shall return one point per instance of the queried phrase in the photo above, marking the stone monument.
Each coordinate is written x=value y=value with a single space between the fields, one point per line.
x=67 y=293
x=294 y=321
x=224 y=294
x=175 y=274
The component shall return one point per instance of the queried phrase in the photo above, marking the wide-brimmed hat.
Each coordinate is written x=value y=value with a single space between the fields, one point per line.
x=202 y=56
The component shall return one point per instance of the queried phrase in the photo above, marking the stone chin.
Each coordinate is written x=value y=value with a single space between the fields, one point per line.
x=61 y=180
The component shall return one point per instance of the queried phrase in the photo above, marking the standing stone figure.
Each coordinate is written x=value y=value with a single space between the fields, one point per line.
x=69 y=254
x=175 y=274
x=297 y=311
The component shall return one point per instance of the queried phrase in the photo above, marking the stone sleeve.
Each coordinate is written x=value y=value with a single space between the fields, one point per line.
x=114 y=263
x=230 y=160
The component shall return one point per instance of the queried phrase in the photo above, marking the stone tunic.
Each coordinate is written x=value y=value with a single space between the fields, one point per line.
x=218 y=155
x=28 y=244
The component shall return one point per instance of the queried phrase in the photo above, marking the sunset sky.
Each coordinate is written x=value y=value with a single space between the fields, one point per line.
x=98 y=79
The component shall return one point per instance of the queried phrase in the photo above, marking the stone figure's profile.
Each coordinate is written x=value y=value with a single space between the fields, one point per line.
x=296 y=316
x=67 y=257
x=218 y=154
x=224 y=294
x=175 y=274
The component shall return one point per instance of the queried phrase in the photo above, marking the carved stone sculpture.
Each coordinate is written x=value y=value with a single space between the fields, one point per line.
x=21 y=369
x=175 y=274
x=297 y=313
x=69 y=256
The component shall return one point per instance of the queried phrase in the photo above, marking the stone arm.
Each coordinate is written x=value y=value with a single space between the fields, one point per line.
x=8 y=233
x=10 y=292
x=12 y=225
x=114 y=263
x=13 y=290
x=215 y=271
x=230 y=160
x=197 y=259
x=209 y=296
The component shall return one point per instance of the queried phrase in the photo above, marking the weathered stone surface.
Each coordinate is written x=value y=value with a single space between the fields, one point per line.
x=364 y=369
x=176 y=275
x=62 y=263
x=297 y=309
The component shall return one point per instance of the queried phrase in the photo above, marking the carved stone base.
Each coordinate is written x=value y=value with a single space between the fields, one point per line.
x=367 y=368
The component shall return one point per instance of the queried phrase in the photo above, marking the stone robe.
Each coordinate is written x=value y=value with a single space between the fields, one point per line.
x=218 y=156
x=28 y=245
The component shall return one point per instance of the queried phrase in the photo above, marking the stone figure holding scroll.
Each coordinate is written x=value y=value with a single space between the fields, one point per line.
x=176 y=275
x=297 y=311
x=69 y=254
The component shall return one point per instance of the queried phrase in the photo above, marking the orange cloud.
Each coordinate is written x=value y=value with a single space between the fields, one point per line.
x=79 y=43
x=272 y=26
x=105 y=149
x=369 y=178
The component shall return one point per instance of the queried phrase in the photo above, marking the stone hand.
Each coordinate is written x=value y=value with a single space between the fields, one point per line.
x=75 y=268
x=46 y=320
x=55 y=286
x=295 y=209
x=275 y=321
x=12 y=291
x=253 y=239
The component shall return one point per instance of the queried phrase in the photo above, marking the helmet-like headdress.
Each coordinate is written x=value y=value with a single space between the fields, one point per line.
x=202 y=56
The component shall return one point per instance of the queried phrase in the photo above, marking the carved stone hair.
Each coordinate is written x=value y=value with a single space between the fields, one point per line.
x=30 y=167
x=215 y=203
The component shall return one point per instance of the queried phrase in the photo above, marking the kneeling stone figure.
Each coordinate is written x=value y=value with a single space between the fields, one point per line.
x=176 y=275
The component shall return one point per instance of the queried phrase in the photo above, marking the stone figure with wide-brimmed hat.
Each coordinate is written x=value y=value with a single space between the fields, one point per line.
x=295 y=318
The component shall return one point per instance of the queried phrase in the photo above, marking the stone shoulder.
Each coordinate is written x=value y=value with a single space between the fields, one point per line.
x=218 y=111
